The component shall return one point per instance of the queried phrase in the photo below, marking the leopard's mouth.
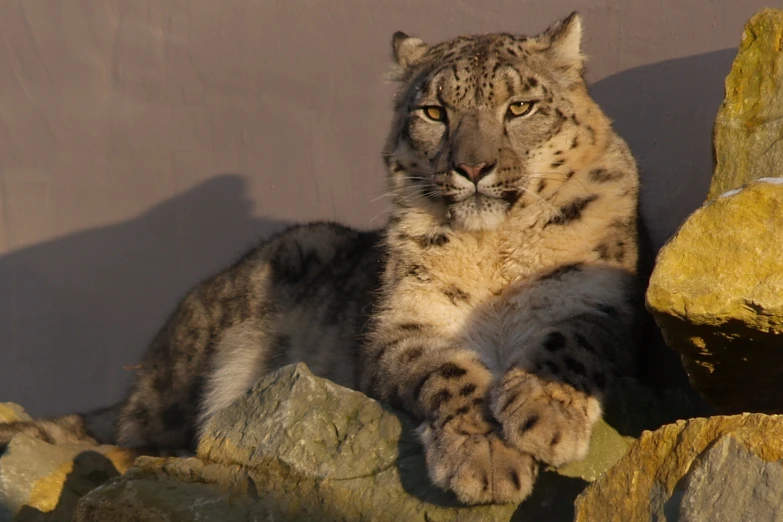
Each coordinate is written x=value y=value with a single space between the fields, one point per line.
x=479 y=195
x=478 y=211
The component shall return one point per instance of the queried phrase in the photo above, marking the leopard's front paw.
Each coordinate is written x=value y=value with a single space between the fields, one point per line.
x=469 y=459
x=548 y=419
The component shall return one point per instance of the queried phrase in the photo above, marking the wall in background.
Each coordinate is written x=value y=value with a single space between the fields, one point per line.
x=145 y=144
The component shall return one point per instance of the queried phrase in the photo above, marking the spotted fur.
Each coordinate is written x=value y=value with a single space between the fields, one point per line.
x=525 y=314
x=497 y=306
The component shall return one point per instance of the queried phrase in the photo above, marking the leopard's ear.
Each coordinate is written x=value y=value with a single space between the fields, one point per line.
x=563 y=43
x=407 y=51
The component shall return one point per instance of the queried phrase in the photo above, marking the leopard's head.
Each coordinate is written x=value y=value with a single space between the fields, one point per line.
x=481 y=120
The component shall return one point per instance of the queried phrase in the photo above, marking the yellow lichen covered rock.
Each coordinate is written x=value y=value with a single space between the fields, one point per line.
x=721 y=469
x=749 y=126
x=10 y=412
x=717 y=294
x=41 y=481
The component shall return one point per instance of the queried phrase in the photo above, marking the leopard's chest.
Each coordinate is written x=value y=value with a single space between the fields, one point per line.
x=484 y=266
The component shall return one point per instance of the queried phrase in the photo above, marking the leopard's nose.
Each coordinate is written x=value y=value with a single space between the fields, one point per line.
x=474 y=172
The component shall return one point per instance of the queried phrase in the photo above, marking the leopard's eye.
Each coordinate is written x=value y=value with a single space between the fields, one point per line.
x=434 y=112
x=521 y=108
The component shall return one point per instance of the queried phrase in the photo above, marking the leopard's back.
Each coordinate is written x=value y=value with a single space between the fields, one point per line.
x=304 y=295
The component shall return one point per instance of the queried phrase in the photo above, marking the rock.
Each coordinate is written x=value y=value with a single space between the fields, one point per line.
x=749 y=128
x=10 y=412
x=633 y=409
x=730 y=483
x=721 y=469
x=41 y=481
x=717 y=294
x=302 y=448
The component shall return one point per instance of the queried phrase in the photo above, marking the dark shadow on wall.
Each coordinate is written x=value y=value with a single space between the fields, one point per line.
x=666 y=112
x=75 y=310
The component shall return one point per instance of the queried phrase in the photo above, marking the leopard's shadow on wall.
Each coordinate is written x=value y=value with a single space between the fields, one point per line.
x=666 y=111
x=77 y=312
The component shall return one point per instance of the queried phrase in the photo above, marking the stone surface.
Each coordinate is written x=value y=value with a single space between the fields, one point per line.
x=749 y=127
x=729 y=482
x=10 y=412
x=41 y=481
x=717 y=294
x=721 y=469
x=302 y=448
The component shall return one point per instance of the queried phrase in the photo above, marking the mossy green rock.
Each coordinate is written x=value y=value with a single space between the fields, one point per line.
x=298 y=447
x=717 y=294
x=749 y=127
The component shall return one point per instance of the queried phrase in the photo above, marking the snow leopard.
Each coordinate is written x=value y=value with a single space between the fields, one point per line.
x=498 y=306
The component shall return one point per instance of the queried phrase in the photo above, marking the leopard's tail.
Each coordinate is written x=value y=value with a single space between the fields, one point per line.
x=95 y=427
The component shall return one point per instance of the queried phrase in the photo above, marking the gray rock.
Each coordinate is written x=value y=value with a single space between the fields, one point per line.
x=297 y=447
x=716 y=469
x=729 y=483
x=318 y=429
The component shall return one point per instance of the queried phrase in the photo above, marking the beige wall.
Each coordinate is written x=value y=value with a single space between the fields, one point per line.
x=144 y=144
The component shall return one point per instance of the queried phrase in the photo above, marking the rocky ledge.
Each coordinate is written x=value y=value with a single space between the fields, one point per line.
x=298 y=447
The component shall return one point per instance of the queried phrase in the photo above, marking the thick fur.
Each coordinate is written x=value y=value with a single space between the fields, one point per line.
x=498 y=305
x=304 y=295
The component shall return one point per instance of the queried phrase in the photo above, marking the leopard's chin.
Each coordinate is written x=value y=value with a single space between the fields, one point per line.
x=478 y=212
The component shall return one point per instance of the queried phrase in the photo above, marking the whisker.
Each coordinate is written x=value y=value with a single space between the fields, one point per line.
x=546 y=178
x=547 y=173
x=412 y=193
x=385 y=181
x=542 y=200
x=382 y=212
x=397 y=190
x=578 y=181
x=412 y=198
x=387 y=195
